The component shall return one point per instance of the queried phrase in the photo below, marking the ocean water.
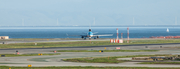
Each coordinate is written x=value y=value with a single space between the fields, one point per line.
x=60 y=32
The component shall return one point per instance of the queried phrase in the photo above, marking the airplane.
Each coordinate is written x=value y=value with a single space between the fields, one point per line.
x=91 y=35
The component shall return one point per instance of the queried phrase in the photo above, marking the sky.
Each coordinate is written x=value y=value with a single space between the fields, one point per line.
x=89 y=12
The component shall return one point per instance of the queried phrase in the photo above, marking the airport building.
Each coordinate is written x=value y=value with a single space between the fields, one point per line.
x=4 y=37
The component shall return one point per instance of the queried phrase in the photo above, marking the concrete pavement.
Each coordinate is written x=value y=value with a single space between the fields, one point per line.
x=56 y=60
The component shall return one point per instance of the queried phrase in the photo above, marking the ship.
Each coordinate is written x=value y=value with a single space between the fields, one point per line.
x=167 y=30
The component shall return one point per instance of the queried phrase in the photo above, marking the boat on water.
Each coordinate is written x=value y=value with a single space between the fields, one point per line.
x=167 y=30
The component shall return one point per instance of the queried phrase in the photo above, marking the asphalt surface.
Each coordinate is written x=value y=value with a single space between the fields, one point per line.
x=45 y=40
x=145 y=45
x=56 y=60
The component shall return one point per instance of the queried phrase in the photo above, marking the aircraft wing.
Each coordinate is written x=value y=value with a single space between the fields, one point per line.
x=95 y=32
x=75 y=35
x=104 y=35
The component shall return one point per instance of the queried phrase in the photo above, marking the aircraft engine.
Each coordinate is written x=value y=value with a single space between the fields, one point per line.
x=82 y=37
x=97 y=36
x=89 y=30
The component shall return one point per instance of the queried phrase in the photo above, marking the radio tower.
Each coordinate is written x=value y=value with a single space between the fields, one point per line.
x=128 y=35
x=117 y=33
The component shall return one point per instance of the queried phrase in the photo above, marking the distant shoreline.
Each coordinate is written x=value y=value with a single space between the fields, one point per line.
x=94 y=39
x=101 y=26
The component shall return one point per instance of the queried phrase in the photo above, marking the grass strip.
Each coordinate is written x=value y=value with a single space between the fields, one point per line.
x=84 y=43
x=106 y=59
x=107 y=50
x=16 y=55
x=159 y=63
x=86 y=67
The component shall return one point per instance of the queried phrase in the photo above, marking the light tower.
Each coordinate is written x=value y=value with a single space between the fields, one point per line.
x=121 y=35
x=128 y=35
x=117 y=33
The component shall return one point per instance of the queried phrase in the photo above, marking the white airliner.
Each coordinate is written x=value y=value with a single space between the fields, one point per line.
x=91 y=35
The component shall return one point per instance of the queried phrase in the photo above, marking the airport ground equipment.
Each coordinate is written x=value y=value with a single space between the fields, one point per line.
x=157 y=58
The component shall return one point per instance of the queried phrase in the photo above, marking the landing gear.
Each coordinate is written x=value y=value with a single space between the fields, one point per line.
x=89 y=38
x=84 y=38
x=96 y=37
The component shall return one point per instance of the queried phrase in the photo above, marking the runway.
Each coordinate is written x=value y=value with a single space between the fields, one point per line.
x=56 y=60
x=10 y=41
x=37 y=61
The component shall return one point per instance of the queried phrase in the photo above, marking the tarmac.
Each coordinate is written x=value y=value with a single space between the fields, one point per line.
x=56 y=60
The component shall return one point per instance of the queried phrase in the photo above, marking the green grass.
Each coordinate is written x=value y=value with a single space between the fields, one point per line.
x=107 y=50
x=16 y=55
x=86 y=67
x=159 y=63
x=106 y=59
x=84 y=43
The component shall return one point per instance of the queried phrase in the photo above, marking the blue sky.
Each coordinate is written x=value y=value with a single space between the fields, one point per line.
x=83 y=12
